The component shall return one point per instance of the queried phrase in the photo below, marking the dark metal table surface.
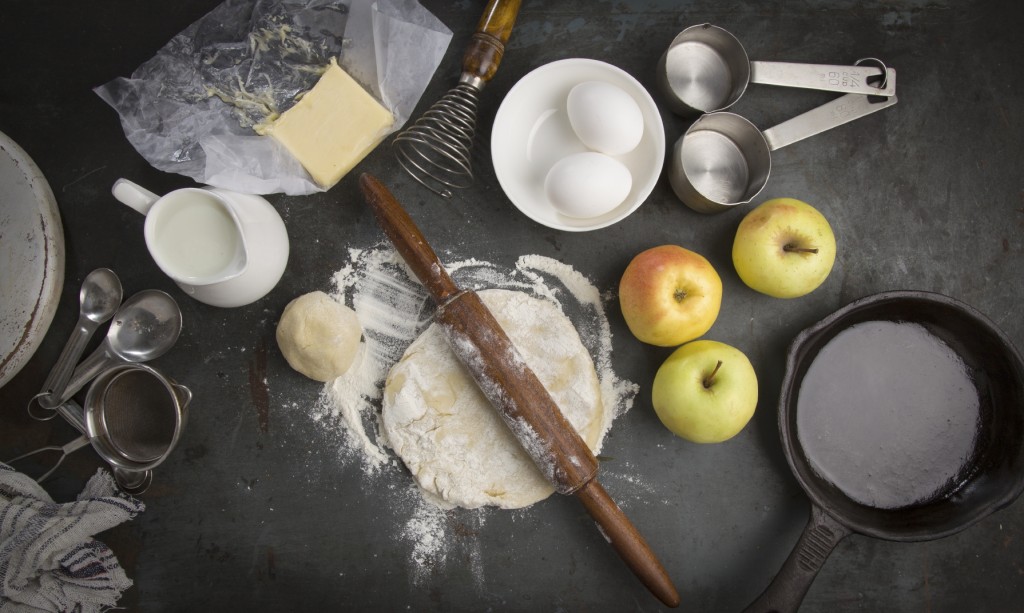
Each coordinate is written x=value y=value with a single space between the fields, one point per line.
x=256 y=511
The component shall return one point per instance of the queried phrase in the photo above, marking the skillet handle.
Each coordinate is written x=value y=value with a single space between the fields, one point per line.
x=787 y=590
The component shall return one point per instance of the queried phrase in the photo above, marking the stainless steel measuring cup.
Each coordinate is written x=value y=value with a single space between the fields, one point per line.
x=133 y=417
x=706 y=69
x=724 y=160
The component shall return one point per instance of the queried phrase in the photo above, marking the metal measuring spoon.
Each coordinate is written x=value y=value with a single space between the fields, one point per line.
x=98 y=299
x=145 y=327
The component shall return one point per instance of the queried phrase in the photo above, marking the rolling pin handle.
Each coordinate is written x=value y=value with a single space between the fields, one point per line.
x=407 y=239
x=628 y=542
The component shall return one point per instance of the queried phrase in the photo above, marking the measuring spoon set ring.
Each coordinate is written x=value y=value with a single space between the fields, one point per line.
x=723 y=159
x=133 y=415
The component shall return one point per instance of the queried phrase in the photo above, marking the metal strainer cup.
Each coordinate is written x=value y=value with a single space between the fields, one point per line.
x=133 y=418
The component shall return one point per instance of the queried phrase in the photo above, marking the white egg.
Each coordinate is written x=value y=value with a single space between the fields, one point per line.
x=605 y=117
x=587 y=184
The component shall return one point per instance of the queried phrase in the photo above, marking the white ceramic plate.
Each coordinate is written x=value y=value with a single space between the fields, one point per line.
x=532 y=131
x=31 y=258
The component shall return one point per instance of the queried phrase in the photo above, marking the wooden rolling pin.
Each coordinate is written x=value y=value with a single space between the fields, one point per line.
x=514 y=390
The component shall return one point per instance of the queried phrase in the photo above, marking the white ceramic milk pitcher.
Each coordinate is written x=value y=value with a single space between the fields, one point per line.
x=221 y=247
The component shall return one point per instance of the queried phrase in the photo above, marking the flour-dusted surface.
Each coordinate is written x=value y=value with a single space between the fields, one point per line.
x=450 y=437
x=394 y=309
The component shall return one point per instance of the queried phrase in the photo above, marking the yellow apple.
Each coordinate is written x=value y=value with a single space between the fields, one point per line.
x=784 y=248
x=669 y=295
x=705 y=392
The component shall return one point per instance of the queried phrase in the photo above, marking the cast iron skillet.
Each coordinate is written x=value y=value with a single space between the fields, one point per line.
x=992 y=477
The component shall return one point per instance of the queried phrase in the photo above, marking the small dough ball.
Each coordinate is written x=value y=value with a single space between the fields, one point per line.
x=319 y=336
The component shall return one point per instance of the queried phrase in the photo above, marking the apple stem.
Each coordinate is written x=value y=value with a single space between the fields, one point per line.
x=708 y=380
x=793 y=248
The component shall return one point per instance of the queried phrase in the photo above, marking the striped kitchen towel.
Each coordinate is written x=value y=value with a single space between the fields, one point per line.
x=48 y=558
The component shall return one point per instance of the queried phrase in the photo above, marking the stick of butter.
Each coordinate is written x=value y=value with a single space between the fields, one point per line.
x=332 y=127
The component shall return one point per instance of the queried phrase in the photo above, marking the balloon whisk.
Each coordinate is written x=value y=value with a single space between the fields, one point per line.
x=436 y=149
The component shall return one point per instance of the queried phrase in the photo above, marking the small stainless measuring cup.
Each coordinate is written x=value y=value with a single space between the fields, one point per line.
x=723 y=159
x=133 y=418
x=706 y=69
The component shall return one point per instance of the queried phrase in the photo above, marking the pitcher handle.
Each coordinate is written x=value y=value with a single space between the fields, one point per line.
x=134 y=195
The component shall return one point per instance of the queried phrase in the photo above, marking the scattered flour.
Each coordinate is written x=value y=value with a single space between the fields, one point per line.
x=426 y=530
x=394 y=309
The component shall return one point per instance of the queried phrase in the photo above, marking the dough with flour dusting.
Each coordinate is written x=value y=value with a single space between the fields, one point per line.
x=451 y=438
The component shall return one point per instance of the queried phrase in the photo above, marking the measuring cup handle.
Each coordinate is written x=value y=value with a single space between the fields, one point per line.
x=65 y=450
x=133 y=195
x=56 y=382
x=74 y=415
x=823 y=77
x=843 y=109
x=85 y=372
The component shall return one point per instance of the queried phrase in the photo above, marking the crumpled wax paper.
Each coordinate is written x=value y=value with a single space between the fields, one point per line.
x=194 y=107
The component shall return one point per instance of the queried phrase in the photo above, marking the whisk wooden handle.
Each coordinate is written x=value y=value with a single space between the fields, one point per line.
x=483 y=55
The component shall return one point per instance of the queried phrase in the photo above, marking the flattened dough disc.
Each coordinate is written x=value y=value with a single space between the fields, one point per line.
x=453 y=441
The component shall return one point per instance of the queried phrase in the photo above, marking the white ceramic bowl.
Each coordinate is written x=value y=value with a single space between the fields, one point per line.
x=532 y=131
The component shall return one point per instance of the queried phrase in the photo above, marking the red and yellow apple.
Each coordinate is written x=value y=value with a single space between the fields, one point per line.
x=705 y=392
x=784 y=248
x=669 y=295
